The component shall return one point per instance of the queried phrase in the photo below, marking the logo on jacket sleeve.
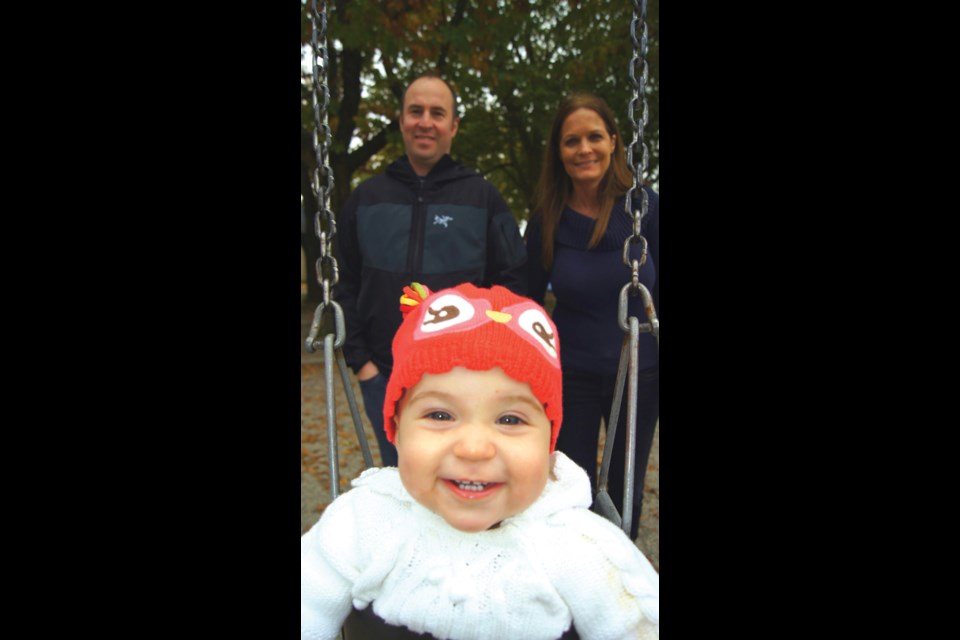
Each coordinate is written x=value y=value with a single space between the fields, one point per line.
x=442 y=220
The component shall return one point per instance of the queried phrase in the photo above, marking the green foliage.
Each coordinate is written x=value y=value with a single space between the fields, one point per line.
x=511 y=61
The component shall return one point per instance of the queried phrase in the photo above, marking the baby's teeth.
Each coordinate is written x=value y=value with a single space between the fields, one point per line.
x=472 y=486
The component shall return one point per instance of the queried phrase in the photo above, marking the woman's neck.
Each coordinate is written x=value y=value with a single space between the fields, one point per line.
x=585 y=200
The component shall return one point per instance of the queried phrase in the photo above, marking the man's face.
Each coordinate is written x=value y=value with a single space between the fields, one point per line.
x=427 y=123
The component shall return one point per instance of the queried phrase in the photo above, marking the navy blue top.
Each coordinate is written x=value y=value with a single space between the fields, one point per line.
x=448 y=227
x=587 y=284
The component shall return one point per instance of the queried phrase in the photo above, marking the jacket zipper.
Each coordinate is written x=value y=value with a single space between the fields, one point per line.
x=417 y=229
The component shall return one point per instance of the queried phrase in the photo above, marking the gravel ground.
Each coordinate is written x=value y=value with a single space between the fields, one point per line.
x=314 y=469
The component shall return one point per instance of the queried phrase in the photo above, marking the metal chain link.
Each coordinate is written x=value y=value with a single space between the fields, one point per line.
x=638 y=146
x=638 y=158
x=328 y=272
x=628 y=372
x=329 y=276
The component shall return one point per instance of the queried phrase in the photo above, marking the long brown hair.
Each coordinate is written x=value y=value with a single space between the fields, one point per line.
x=555 y=188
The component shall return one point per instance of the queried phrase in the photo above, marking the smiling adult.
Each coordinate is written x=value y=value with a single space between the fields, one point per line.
x=428 y=122
x=575 y=242
x=428 y=219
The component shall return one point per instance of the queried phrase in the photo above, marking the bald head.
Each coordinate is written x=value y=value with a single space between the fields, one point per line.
x=452 y=94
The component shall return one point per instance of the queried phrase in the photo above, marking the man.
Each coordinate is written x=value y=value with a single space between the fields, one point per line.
x=428 y=219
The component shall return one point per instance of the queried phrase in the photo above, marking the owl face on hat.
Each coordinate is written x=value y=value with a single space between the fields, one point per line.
x=454 y=311
x=478 y=329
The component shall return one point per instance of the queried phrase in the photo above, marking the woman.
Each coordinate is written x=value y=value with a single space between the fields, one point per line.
x=575 y=243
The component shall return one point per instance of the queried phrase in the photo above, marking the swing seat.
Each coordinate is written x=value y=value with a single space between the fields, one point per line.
x=364 y=624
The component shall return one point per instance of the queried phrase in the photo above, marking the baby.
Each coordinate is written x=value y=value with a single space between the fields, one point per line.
x=483 y=531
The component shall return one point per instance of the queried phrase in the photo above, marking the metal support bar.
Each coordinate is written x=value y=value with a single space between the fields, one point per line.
x=354 y=411
x=631 y=457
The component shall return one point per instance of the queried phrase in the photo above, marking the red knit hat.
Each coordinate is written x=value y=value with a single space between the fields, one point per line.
x=477 y=329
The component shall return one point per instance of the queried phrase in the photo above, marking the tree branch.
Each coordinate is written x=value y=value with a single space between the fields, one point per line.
x=502 y=165
x=359 y=157
x=457 y=18
x=396 y=87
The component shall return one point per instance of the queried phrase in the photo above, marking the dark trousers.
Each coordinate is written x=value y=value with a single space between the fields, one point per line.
x=586 y=400
x=374 y=391
x=364 y=624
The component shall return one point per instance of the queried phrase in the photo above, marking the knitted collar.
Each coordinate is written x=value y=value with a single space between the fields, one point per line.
x=568 y=488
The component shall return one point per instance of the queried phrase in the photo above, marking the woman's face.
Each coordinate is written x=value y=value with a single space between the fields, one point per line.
x=586 y=147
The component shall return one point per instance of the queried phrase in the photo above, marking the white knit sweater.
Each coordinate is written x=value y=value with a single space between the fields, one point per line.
x=554 y=563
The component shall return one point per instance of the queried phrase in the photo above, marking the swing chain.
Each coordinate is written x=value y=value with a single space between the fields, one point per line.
x=328 y=272
x=637 y=153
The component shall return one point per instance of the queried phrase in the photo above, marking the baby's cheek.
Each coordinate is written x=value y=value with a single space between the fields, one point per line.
x=536 y=482
x=406 y=478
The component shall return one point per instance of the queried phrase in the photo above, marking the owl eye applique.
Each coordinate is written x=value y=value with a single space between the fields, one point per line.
x=535 y=326
x=445 y=312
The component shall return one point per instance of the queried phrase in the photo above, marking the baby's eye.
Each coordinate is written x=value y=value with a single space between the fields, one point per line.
x=510 y=420
x=438 y=415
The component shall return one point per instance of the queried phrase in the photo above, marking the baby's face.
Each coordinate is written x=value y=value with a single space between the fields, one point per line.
x=474 y=446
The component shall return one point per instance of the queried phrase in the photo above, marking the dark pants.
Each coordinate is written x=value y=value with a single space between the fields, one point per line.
x=374 y=391
x=586 y=399
x=364 y=624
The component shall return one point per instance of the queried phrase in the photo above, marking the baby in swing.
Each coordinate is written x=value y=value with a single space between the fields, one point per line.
x=483 y=531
